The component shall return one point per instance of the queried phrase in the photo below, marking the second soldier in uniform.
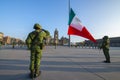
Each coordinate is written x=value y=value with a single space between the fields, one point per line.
x=105 y=47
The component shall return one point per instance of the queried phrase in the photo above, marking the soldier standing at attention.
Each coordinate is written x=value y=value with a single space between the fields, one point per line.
x=105 y=47
x=34 y=43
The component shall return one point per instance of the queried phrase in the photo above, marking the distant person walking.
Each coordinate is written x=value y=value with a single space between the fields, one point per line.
x=34 y=42
x=105 y=47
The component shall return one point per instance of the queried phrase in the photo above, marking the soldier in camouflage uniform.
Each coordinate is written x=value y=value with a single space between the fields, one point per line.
x=34 y=42
x=105 y=47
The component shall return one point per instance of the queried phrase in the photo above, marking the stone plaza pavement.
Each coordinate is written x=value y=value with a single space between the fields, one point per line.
x=62 y=63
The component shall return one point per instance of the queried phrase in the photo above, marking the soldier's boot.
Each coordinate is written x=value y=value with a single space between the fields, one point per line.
x=37 y=73
x=108 y=61
x=32 y=74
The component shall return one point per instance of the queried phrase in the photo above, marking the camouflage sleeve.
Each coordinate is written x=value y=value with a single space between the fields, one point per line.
x=47 y=32
x=28 y=41
x=107 y=43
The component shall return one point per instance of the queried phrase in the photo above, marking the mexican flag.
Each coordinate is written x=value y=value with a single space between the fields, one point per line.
x=76 y=27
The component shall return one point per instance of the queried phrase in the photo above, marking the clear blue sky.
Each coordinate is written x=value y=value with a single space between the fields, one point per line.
x=101 y=17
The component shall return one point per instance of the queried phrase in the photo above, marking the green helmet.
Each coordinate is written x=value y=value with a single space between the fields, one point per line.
x=37 y=26
x=105 y=37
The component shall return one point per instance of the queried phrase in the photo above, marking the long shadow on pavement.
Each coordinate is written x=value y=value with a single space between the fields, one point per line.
x=80 y=66
x=12 y=69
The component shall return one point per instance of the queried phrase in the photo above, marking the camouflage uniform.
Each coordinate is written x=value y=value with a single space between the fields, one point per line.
x=105 y=47
x=34 y=42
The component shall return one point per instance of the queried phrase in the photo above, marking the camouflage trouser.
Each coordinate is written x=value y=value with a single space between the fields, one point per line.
x=106 y=53
x=35 y=60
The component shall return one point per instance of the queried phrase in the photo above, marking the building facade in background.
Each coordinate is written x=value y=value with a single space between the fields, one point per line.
x=114 y=42
x=9 y=40
x=1 y=36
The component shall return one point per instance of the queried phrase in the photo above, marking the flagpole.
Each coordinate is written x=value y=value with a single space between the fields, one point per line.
x=69 y=15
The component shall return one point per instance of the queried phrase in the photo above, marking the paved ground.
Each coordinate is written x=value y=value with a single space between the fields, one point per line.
x=63 y=63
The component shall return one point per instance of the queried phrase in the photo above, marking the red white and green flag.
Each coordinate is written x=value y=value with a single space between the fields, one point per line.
x=76 y=27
